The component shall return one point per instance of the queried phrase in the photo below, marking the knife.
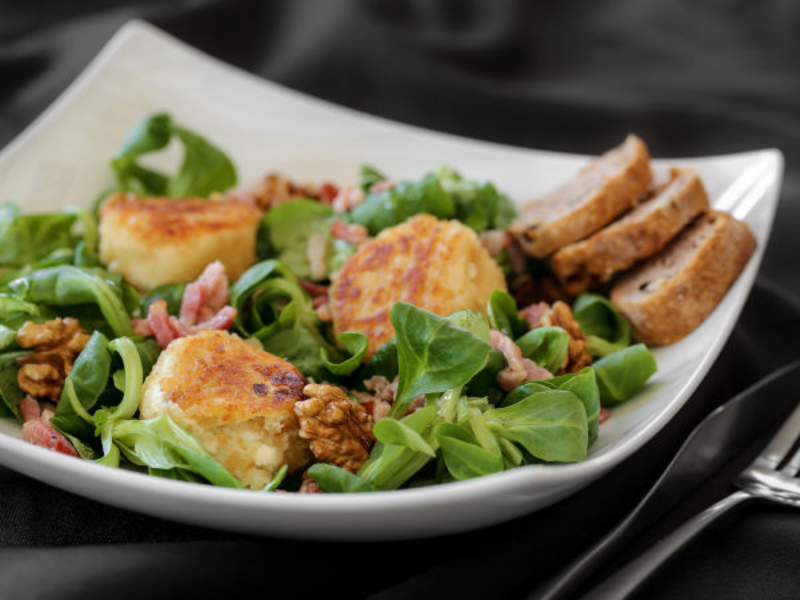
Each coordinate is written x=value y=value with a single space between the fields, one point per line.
x=722 y=435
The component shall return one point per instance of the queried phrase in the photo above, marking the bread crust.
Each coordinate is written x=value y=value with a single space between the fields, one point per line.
x=601 y=192
x=666 y=297
x=642 y=232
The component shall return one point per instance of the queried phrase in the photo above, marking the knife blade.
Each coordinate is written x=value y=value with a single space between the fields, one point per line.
x=723 y=434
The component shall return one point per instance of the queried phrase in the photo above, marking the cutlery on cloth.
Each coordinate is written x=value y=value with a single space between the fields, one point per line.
x=726 y=432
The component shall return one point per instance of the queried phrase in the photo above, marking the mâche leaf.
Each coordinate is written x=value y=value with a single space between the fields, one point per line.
x=392 y=431
x=546 y=346
x=205 y=168
x=621 y=374
x=355 y=344
x=433 y=354
x=286 y=228
x=335 y=480
x=464 y=456
x=26 y=239
x=504 y=316
x=551 y=425
x=406 y=199
x=66 y=285
x=89 y=375
x=160 y=443
x=606 y=329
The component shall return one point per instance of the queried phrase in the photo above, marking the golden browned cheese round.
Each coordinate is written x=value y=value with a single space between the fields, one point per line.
x=236 y=399
x=437 y=265
x=152 y=241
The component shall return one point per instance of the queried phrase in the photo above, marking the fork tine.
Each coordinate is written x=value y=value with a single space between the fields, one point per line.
x=783 y=442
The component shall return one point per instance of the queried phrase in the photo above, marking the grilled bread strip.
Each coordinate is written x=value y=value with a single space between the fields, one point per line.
x=602 y=191
x=638 y=235
x=669 y=295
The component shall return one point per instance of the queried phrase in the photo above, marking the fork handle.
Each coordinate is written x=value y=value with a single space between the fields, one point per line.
x=628 y=579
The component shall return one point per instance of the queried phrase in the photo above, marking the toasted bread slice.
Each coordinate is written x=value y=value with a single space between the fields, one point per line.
x=666 y=297
x=152 y=241
x=437 y=265
x=638 y=235
x=600 y=193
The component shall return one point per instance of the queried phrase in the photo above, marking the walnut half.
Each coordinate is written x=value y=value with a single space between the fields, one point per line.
x=56 y=345
x=339 y=430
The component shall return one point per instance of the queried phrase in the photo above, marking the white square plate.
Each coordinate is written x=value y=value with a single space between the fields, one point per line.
x=63 y=159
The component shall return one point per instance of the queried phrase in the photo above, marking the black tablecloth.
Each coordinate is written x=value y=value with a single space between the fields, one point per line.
x=690 y=78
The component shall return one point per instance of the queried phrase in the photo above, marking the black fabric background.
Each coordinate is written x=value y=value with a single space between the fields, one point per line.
x=690 y=78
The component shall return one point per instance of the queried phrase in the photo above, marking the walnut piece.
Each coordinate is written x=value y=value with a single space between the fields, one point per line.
x=339 y=430
x=578 y=356
x=560 y=315
x=56 y=345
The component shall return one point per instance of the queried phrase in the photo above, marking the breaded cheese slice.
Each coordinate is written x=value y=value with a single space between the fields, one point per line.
x=601 y=192
x=236 y=399
x=152 y=241
x=437 y=265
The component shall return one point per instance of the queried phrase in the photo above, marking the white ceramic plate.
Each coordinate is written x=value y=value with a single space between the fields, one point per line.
x=62 y=159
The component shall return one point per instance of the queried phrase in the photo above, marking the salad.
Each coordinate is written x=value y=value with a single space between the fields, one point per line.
x=377 y=365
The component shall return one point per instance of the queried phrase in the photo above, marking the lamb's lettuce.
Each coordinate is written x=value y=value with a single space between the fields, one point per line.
x=434 y=354
x=606 y=329
x=621 y=374
x=205 y=168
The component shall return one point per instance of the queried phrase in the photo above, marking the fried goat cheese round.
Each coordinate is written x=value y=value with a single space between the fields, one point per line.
x=235 y=398
x=152 y=241
x=437 y=265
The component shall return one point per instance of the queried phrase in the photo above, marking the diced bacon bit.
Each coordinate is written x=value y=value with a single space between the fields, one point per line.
x=207 y=296
x=534 y=314
x=37 y=430
x=203 y=308
x=518 y=369
x=315 y=290
x=327 y=192
x=30 y=409
x=605 y=415
x=381 y=186
x=276 y=189
x=416 y=404
x=352 y=234
x=142 y=327
x=494 y=241
x=349 y=197
x=316 y=251
x=308 y=485
x=380 y=397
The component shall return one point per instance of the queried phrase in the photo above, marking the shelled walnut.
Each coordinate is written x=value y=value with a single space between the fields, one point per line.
x=339 y=430
x=56 y=345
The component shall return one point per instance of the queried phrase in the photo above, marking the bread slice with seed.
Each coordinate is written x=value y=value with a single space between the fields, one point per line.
x=666 y=297
x=636 y=236
x=601 y=192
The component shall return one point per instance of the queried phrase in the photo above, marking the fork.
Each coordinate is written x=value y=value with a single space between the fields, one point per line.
x=771 y=477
